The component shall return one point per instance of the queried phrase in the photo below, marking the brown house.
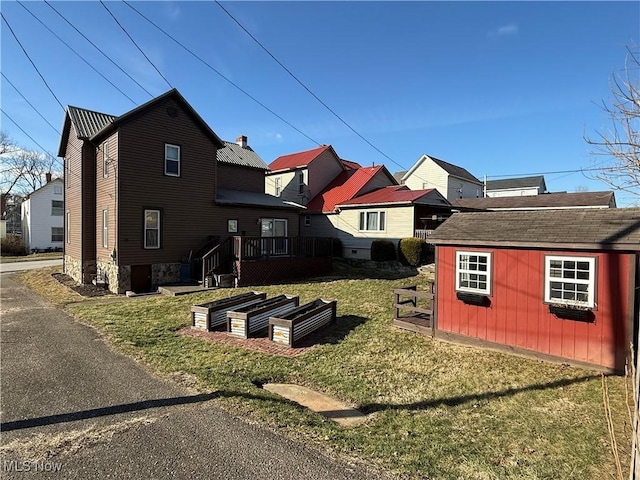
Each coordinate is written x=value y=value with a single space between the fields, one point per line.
x=148 y=190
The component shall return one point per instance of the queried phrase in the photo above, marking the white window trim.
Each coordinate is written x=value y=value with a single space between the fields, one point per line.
x=300 y=183
x=60 y=208
x=591 y=282
x=480 y=291
x=105 y=159
x=68 y=227
x=366 y=222
x=105 y=228
x=167 y=159
x=278 y=187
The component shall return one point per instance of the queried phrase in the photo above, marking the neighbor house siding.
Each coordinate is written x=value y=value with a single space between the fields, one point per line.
x=187 y=202
x=321 y=172
x=288 y=186
x=459 y=188
x=240 y=178
x=37 y=219
x=518 y=316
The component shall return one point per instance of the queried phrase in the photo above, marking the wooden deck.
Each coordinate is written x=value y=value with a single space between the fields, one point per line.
x=413 y=310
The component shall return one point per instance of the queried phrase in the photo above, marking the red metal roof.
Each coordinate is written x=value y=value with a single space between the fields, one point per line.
x=294 y=160
x=343 y=188
x=396 y=194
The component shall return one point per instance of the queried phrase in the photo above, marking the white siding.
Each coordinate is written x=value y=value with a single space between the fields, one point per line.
x=288 y=185
x=37 y=220
x=356 y=243
x=459 y=188
x=514 y=192
x=428 y=175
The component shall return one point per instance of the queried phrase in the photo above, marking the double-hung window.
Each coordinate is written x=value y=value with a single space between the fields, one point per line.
x=473 y=272
x=278 y=183
x=152 y=229
x=570 y=280
x=372 y=221
x=300 y=183
x=171 y=160
x=57 y=208
x=57 y=234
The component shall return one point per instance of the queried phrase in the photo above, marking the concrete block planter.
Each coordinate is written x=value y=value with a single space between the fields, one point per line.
x=290 y=328
x=249 y=320
x=208 y=316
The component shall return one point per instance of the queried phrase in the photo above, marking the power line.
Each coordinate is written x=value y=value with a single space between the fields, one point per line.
x=134 y=42
x=30 y=60
x=74 y=51
x=221 y=75
x=99 y=50
x=23 y=131
x=307 y=88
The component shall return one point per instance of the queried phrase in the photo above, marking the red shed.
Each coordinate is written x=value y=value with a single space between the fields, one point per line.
x=561 y=284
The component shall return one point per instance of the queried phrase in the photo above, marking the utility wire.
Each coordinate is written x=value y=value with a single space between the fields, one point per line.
x=221 y=75
x=134 y=42
x=307 y=88
x=30 y=60
x=99 y=50
x=24 y=131
x=74 y=51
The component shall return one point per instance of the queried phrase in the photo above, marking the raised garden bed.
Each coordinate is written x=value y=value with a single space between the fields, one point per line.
x=249 y=320
x=300 y=322
x=208 y=316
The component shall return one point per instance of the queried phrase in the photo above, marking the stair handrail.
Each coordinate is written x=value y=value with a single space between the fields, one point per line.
x=210 y=258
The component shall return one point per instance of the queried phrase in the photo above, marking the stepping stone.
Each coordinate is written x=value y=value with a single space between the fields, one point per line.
x=317 y=402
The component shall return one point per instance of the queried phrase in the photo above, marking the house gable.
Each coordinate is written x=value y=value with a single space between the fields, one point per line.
x=450 y=180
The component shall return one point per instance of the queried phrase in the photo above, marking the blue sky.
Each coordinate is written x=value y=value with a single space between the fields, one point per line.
x=500 y=88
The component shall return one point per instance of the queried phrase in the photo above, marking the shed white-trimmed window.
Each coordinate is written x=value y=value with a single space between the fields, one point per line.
x=570 y=280
x=473 y=272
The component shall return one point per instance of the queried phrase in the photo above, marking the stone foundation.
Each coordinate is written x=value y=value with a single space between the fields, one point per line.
x=73 y=268
x=164 y=273
x=118 y=279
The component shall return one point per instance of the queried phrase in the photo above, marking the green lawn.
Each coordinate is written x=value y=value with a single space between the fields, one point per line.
x=437 y=410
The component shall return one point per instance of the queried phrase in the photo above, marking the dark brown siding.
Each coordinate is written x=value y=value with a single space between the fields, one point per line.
x=186 y=202
x=72 y=196
x=106 y=195
x=249 y=220
x=240 y=178
x=88 y=209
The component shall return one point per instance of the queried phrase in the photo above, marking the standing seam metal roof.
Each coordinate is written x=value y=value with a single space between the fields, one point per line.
x=87 y=122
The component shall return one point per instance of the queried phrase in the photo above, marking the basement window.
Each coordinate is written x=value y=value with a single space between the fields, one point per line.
x=473 y=272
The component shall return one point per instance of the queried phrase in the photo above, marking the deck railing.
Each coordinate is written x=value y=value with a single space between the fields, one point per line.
x=254 y=248
x=216 y=258
x=423 y=234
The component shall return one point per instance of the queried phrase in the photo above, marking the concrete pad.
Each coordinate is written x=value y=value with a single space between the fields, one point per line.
x=329 y=407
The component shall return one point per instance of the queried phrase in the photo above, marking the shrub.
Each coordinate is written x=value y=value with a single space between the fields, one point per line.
x=383 y=250
x=13 y=245
x=336 y=246
x=411 y=251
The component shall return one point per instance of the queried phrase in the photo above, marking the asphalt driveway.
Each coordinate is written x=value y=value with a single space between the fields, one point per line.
x=73 y=408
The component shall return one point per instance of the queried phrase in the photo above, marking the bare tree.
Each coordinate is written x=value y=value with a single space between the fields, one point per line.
x=22 y=171
x=620 y=142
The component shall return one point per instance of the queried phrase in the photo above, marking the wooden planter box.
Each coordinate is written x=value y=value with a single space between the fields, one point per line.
x=300 y=322
x=246 y=321
x=208 y=316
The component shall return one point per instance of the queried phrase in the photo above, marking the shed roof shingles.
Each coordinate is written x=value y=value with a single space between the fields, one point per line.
x=611 y=228
x=547 y=200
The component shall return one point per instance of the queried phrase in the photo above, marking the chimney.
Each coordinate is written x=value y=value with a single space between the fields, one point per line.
x=242 y=141
x=48 y=176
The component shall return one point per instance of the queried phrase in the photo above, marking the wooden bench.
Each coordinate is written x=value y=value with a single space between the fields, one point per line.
x=208 y=316
x=300 y=322
x=246 y=321
x=409 y=314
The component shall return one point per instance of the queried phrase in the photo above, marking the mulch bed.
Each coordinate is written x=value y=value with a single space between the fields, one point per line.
x=84 y=290
x=258 y=344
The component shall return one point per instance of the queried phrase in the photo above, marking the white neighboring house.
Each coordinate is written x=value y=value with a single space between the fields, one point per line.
x=516 y=187
x=450 y=180
x=43 y=217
